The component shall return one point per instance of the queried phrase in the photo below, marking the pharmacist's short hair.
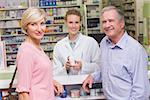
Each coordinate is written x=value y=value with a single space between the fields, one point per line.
x=73 y=12
x=120 y=12
x=31 y=15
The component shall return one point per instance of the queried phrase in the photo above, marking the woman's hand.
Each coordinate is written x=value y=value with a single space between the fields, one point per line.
x=58 y=88
x=23 y=96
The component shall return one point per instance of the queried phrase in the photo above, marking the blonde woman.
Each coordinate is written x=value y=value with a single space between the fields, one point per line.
x=35 y=80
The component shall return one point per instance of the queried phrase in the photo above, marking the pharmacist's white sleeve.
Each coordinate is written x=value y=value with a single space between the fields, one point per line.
x=58 y=67
x=91 y=56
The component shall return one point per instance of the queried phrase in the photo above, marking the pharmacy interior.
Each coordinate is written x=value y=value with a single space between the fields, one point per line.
x=137 y=20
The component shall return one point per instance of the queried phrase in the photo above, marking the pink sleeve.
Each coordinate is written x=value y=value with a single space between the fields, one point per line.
x=24 y=65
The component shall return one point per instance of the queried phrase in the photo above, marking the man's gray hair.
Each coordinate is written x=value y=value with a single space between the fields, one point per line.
x=108 y=8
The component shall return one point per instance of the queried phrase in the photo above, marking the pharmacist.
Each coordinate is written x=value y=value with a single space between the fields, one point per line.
x=76 y=53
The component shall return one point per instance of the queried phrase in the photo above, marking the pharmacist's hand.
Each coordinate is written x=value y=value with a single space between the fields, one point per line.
x=58 y=88
x=67 y=65
x=77 y=66
x=87 y=83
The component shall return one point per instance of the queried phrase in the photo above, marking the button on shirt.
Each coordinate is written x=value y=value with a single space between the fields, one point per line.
x=123 y=70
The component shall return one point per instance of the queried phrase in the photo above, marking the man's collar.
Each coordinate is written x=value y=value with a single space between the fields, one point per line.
x=120 y=44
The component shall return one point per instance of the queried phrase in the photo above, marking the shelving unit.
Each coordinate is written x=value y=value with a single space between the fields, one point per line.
x=92 y=16
x=130 y=17
x=117 y=3
x=10 y=30
x=92 y=21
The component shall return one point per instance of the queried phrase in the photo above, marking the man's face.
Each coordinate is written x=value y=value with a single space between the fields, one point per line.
x=111 y=24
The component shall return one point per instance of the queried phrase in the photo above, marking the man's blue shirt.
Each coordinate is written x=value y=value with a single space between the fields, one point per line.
x=123 y=69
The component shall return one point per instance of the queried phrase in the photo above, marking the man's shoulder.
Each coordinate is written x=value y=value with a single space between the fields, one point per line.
x=134 y=46
x=133 y=43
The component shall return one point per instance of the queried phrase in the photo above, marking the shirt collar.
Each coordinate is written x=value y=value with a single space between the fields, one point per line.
x=120 y=44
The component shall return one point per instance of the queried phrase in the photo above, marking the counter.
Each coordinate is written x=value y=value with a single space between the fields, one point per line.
x=65 y=80
x=5 y=78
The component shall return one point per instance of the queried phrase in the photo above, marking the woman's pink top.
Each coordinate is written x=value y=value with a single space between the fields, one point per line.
x=34 y=73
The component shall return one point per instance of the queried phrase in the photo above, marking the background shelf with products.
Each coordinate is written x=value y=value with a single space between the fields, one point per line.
x=10 y=16
x=92 y=18
x=130 y=17
x=10 y=30
x=92 y=26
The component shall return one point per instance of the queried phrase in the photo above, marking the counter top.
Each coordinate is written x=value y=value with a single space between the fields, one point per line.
x=5 y=78
x=70 y=79
x=65 y=80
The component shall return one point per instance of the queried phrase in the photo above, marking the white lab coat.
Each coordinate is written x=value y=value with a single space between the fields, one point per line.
x=86 y=49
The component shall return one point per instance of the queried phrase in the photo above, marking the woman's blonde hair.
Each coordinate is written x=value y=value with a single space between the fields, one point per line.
x=31 y=15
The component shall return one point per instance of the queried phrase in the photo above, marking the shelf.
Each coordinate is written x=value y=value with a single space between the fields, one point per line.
x=94 y=4
x=53 y=16
x=10 y=60
x=10 y=19
x=97 y=28
x=11 y=52
x=93 y=17
x=129 y=16
x=54 y=24
x=17 y=43
x=14 y=8
x=129 y=9
x=10 y=27
x=56 y=33
x=131 y=30
x=48 y=42
x=12 y=35
x=130 y=22
x=63 y=6
x=128 y=2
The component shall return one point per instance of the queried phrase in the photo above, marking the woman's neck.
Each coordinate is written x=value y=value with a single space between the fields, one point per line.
x=73 y=37
x=34 y=42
